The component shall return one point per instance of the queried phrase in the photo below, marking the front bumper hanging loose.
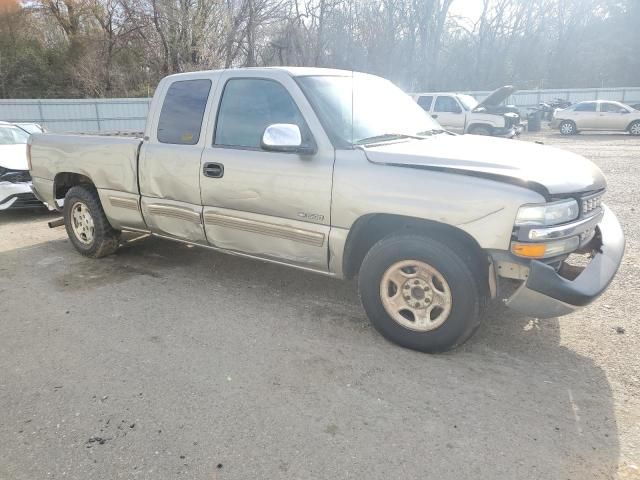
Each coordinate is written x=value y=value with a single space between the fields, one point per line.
x=546 y=293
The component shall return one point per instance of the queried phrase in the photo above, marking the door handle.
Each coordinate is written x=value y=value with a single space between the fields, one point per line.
x=213 y=170
x=434 y=116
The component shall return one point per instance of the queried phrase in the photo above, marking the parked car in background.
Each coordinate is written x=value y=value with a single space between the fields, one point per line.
x=15 y=181
x=602 y=115
x=343 y=174
x=461 y=113
x=30 y=127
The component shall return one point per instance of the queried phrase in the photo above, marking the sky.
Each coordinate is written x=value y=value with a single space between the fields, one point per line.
x=471 y=9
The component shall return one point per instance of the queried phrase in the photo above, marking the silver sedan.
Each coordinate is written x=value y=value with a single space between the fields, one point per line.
x=597 y=115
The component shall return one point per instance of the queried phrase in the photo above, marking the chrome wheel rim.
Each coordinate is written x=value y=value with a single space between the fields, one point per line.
x=635 y=129
x=82 y=223
x=415 y=295
x=566 y=128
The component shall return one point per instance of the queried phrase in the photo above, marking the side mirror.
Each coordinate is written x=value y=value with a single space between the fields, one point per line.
x=284 y=137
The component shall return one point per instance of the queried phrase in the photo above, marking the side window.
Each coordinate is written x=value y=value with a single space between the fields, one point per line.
x=447 y=104
x=425 y=102
x=182 y=112
x=611 y=107
x=586 y=107
x=249 y=106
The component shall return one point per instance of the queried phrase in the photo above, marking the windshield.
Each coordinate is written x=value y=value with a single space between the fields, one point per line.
x=30 y=127
x=12 y=136
x=377 y=110
x=468 y=102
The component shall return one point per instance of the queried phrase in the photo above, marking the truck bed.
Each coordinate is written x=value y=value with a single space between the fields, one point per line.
x=111 y=162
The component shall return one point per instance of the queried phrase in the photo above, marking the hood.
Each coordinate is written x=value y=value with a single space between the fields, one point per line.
x=14 y=157
x=547 y=170
x=498 y=96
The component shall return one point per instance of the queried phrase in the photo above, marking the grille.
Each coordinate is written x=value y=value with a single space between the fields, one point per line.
x=591 y=204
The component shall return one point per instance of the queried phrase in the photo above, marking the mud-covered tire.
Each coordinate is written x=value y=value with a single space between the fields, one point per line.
x=86 y=223
x=567 y=127
x=466 y=297
x=634 y=128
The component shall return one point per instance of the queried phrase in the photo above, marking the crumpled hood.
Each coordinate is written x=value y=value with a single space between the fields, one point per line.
x=535 y=166
x=14 y=157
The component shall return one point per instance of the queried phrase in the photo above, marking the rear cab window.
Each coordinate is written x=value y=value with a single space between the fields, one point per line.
x=182 y=112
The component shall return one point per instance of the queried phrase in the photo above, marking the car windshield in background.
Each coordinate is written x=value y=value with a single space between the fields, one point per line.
x=12 y=136
x=468 y=102
x=30 y=127
x=376 y=111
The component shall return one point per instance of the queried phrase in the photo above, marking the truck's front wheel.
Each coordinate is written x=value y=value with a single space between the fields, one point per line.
x=419 y=293
x=87 y=225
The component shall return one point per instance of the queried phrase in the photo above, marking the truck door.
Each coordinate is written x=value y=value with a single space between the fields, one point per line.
x=448 y=112
x=169 y=162
x=262 y=203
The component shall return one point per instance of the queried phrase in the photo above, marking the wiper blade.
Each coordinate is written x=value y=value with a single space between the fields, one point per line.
x=391 y=136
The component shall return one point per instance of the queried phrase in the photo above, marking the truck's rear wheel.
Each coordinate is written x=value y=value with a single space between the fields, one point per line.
x=87 y=225
x=419 y=293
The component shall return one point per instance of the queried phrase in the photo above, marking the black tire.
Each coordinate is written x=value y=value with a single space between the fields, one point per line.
x=634 y=128
x=567 y=127
x=105 y=239
x=480 y=130
x=467 y=299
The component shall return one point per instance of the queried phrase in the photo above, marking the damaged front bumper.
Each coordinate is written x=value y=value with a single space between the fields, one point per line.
x=17 y=195
x=547 y=293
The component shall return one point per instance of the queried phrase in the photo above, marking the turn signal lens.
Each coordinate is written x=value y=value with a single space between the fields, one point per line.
x=545 y=250
x=529 y=250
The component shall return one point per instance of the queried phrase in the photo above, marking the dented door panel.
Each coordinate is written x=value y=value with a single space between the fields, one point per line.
x=175 y=219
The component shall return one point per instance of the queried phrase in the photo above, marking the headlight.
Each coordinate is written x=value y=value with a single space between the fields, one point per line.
x=548 y=213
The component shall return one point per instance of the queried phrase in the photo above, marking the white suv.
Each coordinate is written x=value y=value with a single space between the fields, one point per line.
x=597 y=115
x=462 y=113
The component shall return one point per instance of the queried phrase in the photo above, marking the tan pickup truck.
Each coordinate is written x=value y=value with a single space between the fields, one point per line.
x=345 y=175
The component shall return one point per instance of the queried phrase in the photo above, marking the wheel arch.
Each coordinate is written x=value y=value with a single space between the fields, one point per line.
x=64 y=181
x=628 y=129
x=371 y=228
x=480 y=124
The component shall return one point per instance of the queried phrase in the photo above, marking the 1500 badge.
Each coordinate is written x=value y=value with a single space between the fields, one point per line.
x=311 y=216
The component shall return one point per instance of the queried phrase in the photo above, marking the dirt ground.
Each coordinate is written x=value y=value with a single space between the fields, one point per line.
x=165 y=361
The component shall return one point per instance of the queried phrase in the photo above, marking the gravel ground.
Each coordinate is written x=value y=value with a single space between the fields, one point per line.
x=165 y=361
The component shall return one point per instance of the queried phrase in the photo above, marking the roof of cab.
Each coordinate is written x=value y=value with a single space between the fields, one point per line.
x=293 y=71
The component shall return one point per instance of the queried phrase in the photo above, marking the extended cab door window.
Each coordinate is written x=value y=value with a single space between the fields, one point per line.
x=169 y=165
x=182 y=112
x=248 y=107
